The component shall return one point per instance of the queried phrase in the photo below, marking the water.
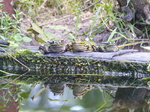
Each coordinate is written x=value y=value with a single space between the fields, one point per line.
x=75 y=93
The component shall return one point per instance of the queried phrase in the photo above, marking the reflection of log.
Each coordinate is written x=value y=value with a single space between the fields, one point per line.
x=82 y=79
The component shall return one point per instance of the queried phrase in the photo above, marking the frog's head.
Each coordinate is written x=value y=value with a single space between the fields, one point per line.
x=80 y=91
x=57 y=42
x=108 y=47
x=57 y=89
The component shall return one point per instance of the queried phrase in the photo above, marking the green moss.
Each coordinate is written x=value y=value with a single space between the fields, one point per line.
x=75 y=65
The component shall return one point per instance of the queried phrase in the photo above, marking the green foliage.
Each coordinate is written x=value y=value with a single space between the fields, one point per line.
x=148 y=68
x=146 y=48
x=43 y=35
x=77 y=23
x=94 y=22
x=38 y=93
x=10 y=29
x=148 y=83
x=20 y=37
x=15 y=51
x=105 y=11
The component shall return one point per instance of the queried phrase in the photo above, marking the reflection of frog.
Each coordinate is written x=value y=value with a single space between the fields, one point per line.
x=53 y=47
x=57 y=89
x=79 y=91
x=107 y=47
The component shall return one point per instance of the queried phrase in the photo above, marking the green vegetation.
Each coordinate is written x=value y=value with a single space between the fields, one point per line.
x=10 y=29
x=103 y=14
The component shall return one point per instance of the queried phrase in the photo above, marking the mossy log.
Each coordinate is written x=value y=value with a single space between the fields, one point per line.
x=63 y=65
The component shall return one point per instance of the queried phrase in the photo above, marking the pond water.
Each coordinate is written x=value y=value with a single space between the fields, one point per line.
x=75 y=93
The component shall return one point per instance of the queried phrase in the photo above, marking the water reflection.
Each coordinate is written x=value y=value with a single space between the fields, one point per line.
x=73 y=93
x=8 y=98
x=78 y=90
x=132 y=98
x=121 y=99
x=57 y=89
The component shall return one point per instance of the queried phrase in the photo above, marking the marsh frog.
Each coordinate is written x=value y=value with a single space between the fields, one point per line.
x=80 y=47
x=107 y=47
x=53 y=47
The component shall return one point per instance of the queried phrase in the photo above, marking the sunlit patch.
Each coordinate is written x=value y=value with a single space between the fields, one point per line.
x=76 y=108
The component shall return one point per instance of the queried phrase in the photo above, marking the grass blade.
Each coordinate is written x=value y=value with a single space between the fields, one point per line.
x=112 y=34
x=38 y=93
x=94 y=21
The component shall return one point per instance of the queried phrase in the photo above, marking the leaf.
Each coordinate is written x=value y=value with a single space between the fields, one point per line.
x=111 y=35
x=57 y=100
x=38 y=93
x=26 y=39
x=19 y=2
x=70 y=36
x=2 y=37
x=50 y=35
x=40 y=40
x=25 y=94
x=128 y=1
x=148 y=83
x=18 y=37
x=148 y=68
x=59 y=27
x=129 y=44
x=37 y=28
x=94 y=21
x=114 y=39
x=146 y=47
x=77 y=23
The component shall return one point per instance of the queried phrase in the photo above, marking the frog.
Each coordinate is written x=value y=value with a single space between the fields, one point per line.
x=107 y=47
x=53 y=47
x=57 y=89
x=82 y=46
x=80 y=90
